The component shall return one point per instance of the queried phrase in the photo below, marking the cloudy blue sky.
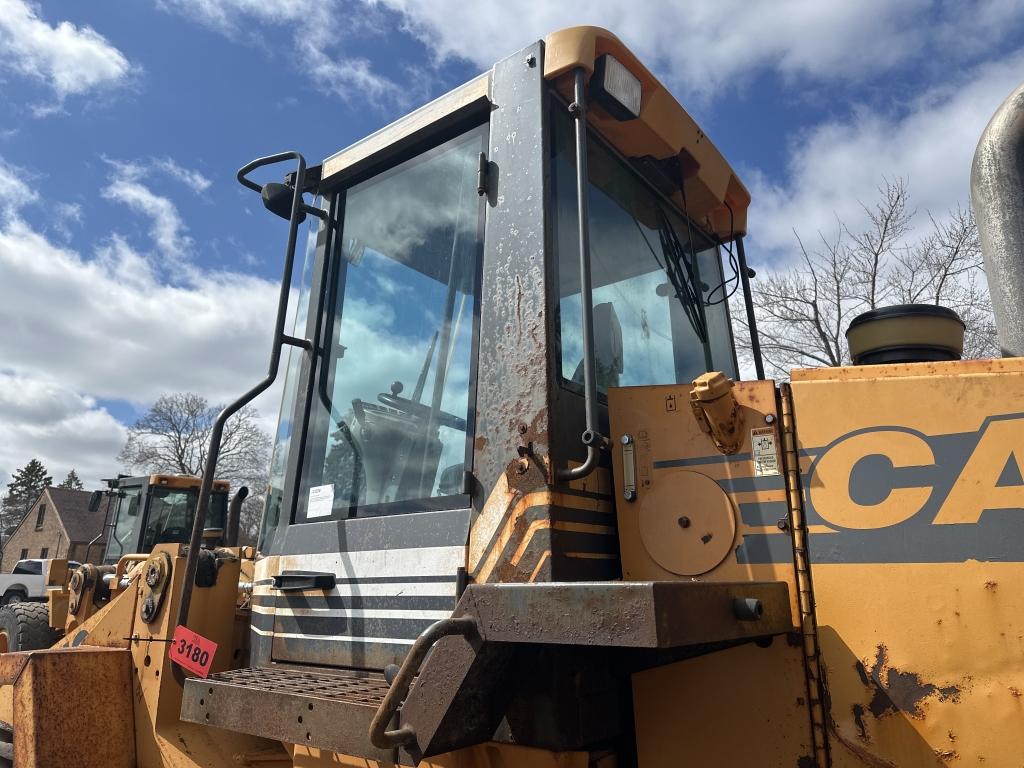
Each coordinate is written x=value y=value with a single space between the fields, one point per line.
x=131 y=263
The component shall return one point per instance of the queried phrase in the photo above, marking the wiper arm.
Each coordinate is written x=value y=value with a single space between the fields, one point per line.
x=683 y=274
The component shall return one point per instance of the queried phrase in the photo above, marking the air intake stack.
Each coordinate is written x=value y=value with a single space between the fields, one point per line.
x=997 y=196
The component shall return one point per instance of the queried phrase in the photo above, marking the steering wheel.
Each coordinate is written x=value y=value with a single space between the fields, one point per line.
x=420 y=410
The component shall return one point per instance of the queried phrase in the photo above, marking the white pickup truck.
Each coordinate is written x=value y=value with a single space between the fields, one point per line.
x=25 y=582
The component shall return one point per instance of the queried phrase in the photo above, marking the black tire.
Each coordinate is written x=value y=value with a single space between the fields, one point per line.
x=14 y=597
x=6 y=745
x=27 y=626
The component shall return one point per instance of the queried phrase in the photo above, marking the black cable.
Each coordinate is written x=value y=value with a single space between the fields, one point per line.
x=733 y=263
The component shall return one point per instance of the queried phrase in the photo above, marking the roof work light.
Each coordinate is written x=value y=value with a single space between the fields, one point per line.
x=615 y=88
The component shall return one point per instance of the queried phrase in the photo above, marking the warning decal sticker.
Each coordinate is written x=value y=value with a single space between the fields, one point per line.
x=766 y=457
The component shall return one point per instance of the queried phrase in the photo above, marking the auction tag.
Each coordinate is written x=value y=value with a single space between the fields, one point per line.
x=191 y=651
x=321 y=501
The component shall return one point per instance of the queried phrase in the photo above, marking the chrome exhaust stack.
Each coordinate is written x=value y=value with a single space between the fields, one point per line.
x=997 y=196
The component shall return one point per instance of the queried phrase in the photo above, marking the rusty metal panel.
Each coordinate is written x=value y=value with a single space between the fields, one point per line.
x=513 y=372
x=57 y=721
x=328 y=711
x=667 y=614
x=914 y=497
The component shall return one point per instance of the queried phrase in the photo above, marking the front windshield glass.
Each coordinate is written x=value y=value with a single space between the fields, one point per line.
x=172 y=512
x=659 y=313
x=392 y=413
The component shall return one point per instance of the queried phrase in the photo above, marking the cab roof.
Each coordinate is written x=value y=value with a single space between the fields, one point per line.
x=715 y=196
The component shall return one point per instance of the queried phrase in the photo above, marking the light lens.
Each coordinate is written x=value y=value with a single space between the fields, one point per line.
x=616 y=88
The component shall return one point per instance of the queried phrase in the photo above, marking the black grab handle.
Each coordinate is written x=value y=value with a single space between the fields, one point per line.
x=297 y=581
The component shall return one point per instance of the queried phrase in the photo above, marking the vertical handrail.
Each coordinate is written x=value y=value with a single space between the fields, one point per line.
x=591 y=437
x=748 y=300
x=213 y=451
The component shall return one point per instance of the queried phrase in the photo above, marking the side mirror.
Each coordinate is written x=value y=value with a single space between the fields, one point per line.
x=94 y=500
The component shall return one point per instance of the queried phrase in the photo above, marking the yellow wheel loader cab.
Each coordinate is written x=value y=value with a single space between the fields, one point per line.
x=522 y=512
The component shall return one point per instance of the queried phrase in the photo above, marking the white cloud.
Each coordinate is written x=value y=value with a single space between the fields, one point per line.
x=704 y=46
x=14 y=192
x=80 y=329
x=70 y=60
x=231 y=15
x=44 y=419
x=167 y=229
x=319 y=29
x=192 y=179
x=929 y=141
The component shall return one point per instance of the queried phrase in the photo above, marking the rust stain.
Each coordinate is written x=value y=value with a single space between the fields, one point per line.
x=991 y=585
x=946 y=754
x=480 y=443
x=899 y=691
x=858 y=718
x=1015 y=691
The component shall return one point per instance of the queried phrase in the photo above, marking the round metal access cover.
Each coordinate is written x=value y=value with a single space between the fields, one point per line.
x=687 y=523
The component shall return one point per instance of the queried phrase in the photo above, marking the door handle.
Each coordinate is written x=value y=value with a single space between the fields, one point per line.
x=296 y=581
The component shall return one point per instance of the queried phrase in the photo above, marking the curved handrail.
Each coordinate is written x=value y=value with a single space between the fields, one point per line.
x=379 y=735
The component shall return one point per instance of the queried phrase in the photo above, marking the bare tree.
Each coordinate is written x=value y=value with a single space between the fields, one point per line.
x=803 y=312
x=173 y=437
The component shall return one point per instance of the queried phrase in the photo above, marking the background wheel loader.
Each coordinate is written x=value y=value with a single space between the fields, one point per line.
x=140 y=512
x=522 y=511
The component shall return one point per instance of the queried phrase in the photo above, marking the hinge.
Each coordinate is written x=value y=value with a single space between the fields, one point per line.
x=482 y=172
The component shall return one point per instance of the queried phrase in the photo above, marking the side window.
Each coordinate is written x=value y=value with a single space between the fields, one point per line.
x=40 y=516
x=24 y=555
x=44 y=553
x=657 y=279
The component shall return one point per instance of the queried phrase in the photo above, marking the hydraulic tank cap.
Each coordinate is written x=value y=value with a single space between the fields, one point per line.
x=906 y=333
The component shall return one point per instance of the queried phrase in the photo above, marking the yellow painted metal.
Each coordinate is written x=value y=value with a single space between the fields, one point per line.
x=185 y=481
x=742 y=706
x=745 y=706
x=715 y=196
x=919 y=602
x=670 y=441
x=162 y=739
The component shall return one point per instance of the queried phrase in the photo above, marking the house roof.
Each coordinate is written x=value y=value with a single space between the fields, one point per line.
x=73 y=508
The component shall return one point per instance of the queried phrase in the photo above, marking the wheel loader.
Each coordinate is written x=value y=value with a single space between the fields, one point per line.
x=524 y=512
x=139 y=513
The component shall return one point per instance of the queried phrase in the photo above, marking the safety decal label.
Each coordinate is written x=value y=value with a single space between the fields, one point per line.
x=192 y=651
x=762 y=447
x=321 y=501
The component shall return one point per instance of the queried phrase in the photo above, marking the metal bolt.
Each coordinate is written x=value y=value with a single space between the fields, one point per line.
x=574 y=108
x=148 y=609
x=769 y=418
x=629 y=495
x=626 y=439
x=152 y=575
x=531 y=60
x=522 y=465
x=684 y=522
x=783 y=524
x=522 y=429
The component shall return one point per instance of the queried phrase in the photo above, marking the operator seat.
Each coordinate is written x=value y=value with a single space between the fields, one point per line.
x=607 y=348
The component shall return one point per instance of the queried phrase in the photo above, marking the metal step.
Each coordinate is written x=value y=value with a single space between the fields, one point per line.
x=324 y=709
